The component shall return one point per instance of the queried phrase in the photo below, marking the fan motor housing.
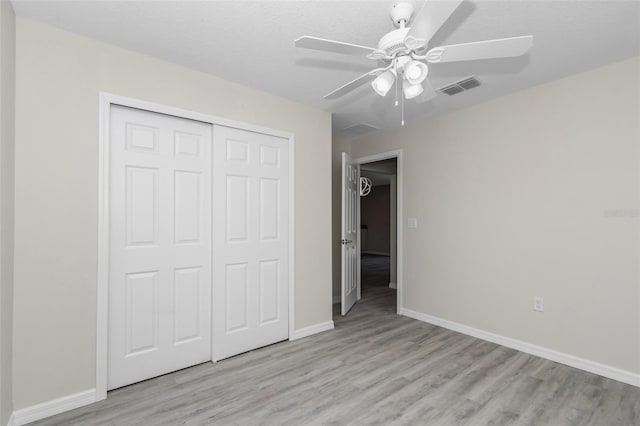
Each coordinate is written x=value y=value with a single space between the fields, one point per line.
x=393 y=42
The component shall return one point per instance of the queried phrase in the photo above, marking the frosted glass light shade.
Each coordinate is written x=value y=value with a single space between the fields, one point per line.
x=411 y=90
x=383 y=83
x=415 y=72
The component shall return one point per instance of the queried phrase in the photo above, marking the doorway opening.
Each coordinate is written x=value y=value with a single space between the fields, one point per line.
x=371 y=231
x=378 y=236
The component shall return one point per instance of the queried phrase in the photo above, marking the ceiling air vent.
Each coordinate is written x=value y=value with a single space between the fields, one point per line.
x=452 y=90
x=460 y=86
x=468 y=83
x=359 y=129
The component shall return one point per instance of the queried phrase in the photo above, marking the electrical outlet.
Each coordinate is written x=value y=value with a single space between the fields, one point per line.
x=538 y=304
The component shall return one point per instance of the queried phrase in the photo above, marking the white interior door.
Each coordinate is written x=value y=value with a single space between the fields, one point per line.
x=160 y=245
x=251 y=241
x=350 y=194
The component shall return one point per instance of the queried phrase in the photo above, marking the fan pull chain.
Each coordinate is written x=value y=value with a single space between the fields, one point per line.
x=403 y=110
x=396 y=104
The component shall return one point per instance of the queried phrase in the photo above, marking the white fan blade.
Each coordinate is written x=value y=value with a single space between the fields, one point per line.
x=500 y=48
x=333 y=46
x=364 y=78
x=428 y=21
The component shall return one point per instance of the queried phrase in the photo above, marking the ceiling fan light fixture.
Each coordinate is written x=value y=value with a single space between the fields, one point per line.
x=383 y=83
x=411 y=90
x=415 y=72
x=403 y=51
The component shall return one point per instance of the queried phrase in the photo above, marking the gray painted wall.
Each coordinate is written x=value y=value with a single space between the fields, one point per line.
x=531 y=194
x=375 y=212
x=7 y=140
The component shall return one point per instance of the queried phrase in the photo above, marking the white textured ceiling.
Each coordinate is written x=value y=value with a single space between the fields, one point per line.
x=252 y=43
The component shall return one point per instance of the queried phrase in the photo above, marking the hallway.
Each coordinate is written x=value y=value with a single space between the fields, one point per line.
x=375 y=286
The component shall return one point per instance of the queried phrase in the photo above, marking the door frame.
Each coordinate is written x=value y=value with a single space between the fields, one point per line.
x=106 y=100
x=397 y=154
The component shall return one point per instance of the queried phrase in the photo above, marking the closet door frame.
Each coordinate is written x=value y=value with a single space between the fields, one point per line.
x=106 y=100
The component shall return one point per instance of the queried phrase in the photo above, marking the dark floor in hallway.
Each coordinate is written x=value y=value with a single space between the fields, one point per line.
x=375 y=270
x=375 y=273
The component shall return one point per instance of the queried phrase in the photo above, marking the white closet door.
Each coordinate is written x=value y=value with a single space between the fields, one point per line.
x=250 y=229
x=160 y=245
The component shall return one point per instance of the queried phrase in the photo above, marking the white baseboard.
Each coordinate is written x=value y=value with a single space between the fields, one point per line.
x=337 y=299
x=313 y=329
x=540 y=351
x=393 y=285
x=53 y=407
x=80 y=399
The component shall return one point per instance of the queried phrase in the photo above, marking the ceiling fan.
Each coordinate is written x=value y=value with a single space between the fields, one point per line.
x=404 y=51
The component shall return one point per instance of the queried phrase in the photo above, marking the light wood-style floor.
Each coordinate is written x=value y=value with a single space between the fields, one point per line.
x=374 y=368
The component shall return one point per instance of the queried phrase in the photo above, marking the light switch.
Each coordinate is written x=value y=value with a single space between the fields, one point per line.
x=412 y=222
